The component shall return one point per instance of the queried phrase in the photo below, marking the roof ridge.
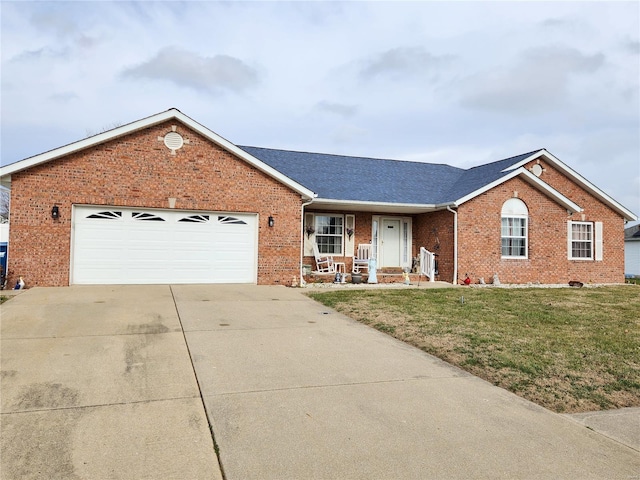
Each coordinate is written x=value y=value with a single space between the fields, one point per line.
x=475 y=177
x=350 y=156
x=508 y=158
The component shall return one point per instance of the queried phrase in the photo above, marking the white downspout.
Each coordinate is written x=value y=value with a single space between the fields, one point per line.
x=302 y=238
x=455 y=245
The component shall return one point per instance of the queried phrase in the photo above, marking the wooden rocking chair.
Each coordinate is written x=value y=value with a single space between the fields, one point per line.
x=361 y=260
x=324 y=263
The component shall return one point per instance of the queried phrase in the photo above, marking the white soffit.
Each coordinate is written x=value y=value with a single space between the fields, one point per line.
x=382 y=207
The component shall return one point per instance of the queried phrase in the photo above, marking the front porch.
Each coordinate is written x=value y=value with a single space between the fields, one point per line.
x=395 y=241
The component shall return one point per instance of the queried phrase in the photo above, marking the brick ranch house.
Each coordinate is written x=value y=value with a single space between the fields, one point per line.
x=166 y=200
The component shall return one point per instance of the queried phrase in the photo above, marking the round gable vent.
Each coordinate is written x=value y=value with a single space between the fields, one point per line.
x=173 y=141
x=537 y=170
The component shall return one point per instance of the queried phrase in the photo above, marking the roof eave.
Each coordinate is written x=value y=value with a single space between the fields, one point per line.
x=88 y=142
x=173 y=113
x=532 y=180
x=380 y=207
x=580 y=180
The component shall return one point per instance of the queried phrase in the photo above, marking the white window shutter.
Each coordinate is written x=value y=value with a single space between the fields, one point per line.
x=349 y=242
x=309 y=221
x=569 y=253
x=598 y=241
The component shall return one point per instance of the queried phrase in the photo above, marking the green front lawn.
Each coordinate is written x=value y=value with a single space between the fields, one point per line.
x=568 y=349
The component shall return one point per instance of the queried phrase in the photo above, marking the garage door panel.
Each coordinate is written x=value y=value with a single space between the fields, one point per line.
x=162 y=246
x=101 y=255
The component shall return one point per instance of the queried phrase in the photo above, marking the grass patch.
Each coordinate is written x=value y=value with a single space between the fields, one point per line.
x=570 y=350
x=3 y=298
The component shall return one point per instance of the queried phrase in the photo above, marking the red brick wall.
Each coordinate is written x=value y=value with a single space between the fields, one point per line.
x=138 y=170
x=479 y=236
x=434 y=231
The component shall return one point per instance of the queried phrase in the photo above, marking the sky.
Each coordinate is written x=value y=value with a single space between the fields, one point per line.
x=461 y=83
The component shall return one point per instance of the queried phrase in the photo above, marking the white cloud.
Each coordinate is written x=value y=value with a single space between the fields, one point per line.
x=538 y=81
x=400 y=62
x=187 y=69
x=348 y=134
x=339 y=109
x=54 y=20
x=632 y=46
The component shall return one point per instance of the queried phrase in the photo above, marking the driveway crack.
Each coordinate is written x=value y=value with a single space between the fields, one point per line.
x=213 y=436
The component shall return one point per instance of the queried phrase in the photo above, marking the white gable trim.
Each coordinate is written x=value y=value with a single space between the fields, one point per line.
x=532 y=180
x=579 y=179
x=533 y=156
x=170 y=114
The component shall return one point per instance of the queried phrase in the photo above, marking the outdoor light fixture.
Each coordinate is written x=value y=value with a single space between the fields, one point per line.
x=271 y=221
x=55 y=212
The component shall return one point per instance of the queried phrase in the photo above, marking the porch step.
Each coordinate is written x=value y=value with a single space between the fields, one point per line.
x=390 y=270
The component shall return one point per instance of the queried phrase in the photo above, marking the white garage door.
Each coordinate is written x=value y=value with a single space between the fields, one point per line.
x=113 y=245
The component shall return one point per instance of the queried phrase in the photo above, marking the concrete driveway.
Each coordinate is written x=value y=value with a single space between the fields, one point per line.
x=150 y=381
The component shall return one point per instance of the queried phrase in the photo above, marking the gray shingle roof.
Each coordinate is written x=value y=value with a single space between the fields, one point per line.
x=339 y=177
x=632 y=234
x=477 y=177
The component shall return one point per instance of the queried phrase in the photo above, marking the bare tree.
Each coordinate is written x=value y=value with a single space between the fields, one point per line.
x=90 y=133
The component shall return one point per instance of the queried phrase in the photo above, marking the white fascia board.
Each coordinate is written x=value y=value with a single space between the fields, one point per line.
x=147 y=122
x=87 y=142
x=580 y=180
x=533 y=156
x=531 y=179
x=369 y=206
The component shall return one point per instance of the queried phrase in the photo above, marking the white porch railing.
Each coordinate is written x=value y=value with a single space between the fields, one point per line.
x=427 y=264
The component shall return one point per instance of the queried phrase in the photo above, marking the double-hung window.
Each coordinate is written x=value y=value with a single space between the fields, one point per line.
x=329 y=233
x=514 y=237
x=585 y=241
x=581 y=239
x=514 y=229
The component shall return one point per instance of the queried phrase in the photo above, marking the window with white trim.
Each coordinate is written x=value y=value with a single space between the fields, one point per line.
x=329 y=233
x=581 y=240
x=514 y=229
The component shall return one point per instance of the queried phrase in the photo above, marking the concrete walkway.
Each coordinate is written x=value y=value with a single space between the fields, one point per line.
x=114 y=382
x=622 y=425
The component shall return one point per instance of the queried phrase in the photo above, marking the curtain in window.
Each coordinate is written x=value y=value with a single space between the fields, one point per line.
x=329 y=232
x=514 y=237
x=581 y=240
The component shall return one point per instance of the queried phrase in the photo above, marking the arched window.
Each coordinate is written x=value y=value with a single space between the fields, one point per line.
x=515 y=225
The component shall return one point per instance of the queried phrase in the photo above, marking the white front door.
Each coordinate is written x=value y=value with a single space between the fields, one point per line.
x=390 y=243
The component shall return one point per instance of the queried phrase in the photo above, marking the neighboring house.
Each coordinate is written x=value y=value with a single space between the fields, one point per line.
x=166 y=200
x=632 y=251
